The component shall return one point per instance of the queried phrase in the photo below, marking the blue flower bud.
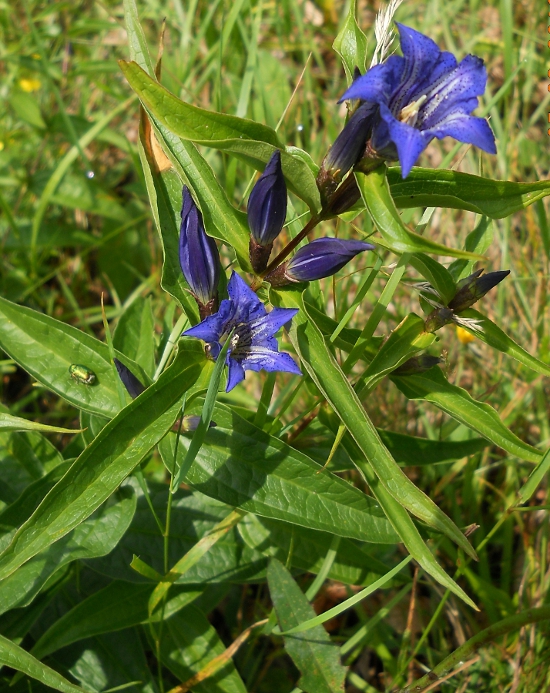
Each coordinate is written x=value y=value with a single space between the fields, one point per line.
x=322 y=257
x=474 y=287
x=199 y=257
x=347 y=149
x=131 y=383
x=267 y=210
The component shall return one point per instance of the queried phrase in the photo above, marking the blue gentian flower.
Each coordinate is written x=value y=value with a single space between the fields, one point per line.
x=199 y=259
x=253 y=346
x=323 y=257
x=266 y=211
x=422 y=95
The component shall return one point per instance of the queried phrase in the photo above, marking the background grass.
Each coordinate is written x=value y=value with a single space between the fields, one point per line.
x=83 y=206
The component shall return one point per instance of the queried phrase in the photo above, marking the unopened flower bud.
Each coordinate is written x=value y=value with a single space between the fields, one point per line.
x=129 y=380
x=347 y=149
x=438 y=318
x=189 y=424
x=199 y=257
x=474 y=287
x=322 y=257
x=266 y=211
x=417 y=364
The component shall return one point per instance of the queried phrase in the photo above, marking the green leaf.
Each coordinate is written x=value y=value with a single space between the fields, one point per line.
x=535 y=478
x=191 y=122
x=119 y=605
x=16 y=423
x=46 y=347
x=411 y=450
x=432 y=386
x=348 y=603
x=188 y=643
x=307 y=549
x=492 y=335
x=193 y=515
x=246 y=468
x=376 y=194
x=351 y=45
x=333 y=384
x=407 y=339
x=317 y=658
x=405 y=527
x=427 y=187
x=17 y=658
x=113 y=455
x=437 y=275
x=139 y=50
x=250 y=141
x=27 y=108
x=134 y=334
x=477 y=241
x=96 y=536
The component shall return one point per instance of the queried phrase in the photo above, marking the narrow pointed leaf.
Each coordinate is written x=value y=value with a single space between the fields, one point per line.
x=379 y=202
x=16 y=423
x=15 y=657
x=330 y=379
x=492 y=335
x=427 y=187
x=46 y=347
x=246 y=468
x=113 y=455
x=317 y=658
x=437 y=275
x=432 y=386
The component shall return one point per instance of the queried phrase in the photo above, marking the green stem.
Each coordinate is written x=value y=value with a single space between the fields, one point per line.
x=170 y=344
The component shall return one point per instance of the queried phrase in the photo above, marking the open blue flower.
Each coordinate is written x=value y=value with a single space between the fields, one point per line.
x=422 y=95
x=253 y=346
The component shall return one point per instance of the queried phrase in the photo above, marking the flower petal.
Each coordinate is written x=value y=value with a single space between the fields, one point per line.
x=377 y=83
x=266 y=326
x=456 y=92
x=260 y=358
x=212 y=327
x=409 y=141
x=235 y=375
x=466 y=128
x=247 y=304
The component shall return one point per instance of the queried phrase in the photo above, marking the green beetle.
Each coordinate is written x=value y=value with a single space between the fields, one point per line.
x=82 y=374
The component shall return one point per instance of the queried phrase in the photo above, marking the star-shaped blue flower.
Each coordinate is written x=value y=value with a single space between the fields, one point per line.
x=422 y=95
x=253 y=346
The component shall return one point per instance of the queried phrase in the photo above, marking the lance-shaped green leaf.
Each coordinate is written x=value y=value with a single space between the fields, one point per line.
x=97 y=536
x=317 y=658
x=46 y=348
x=351 y=45
x=405 y=527
x=432 y=386
x=408 y=338
x=376 y=194
x=16 y=423
x=437 y=275
x=15 y=657
x=245 y=467
x=250 y=141
x=353 y=563
x=189 y=642
x=113 y=455
x=492 y=335
x=335 y=387
x=427 y=187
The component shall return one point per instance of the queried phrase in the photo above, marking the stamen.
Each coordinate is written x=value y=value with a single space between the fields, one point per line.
x=409 y=114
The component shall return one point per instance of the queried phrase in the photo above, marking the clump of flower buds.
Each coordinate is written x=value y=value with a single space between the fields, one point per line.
x=267 y=206
x=322 y=257
x=417 y=365
x=199 y=257
x=469 y=291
